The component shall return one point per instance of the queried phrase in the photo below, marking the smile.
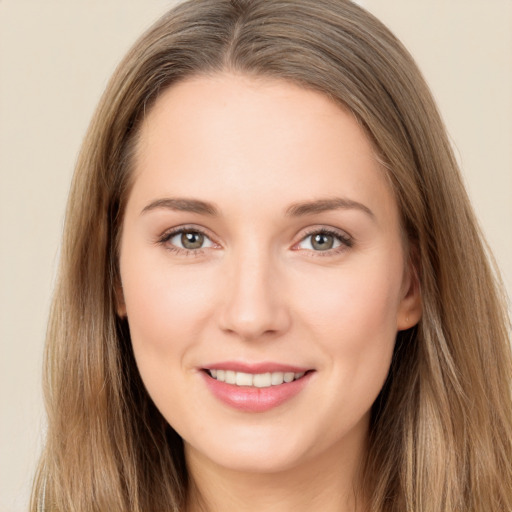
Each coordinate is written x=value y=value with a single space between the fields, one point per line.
x=259 y=388
x=258 y=380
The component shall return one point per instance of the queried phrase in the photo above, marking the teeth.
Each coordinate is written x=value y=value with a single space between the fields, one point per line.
x=244 y=379
x=276 y=378
x=288 y=377
x=262 y=380
x=258 y=380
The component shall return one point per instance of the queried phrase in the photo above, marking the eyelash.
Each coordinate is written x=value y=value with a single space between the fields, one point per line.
x=346 y=241
x=168 y=235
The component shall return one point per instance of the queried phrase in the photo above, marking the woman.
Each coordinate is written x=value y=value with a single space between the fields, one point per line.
x=273 y=292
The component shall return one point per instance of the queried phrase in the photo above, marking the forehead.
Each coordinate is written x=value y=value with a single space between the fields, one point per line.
x=226 y=136
x=243 y=108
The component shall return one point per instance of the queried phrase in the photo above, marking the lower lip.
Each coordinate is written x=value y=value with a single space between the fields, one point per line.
x=252 y=399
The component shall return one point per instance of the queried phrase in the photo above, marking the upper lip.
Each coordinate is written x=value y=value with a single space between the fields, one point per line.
x=255 y=368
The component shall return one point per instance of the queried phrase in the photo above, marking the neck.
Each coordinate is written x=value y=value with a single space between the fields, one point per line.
x=330 y=482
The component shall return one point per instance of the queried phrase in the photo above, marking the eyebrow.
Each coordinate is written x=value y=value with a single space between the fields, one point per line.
x=295 y=210
x=182 y=205
x=323 y=205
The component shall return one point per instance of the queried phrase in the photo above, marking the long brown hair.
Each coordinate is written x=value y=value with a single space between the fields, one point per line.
x=441 y=430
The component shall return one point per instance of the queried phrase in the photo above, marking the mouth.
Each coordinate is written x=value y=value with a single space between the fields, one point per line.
x=255 y=388
x=257 y=380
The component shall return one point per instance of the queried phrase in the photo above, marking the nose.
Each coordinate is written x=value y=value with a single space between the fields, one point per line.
x=255 y=305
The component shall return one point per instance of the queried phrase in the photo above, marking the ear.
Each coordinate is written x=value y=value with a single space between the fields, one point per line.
x=119 y=299
x=411 y=306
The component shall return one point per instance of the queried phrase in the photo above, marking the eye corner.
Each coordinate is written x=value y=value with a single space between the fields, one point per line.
x=334 y=241
x=187 y=240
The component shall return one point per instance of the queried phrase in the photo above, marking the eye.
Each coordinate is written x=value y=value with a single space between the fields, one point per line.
x=187 y=239
x=324 y=240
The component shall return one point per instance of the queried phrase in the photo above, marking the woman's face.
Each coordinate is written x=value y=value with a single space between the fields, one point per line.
x=261 y=244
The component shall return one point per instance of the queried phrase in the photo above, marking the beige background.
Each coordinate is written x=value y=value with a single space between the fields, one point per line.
x=55 y=59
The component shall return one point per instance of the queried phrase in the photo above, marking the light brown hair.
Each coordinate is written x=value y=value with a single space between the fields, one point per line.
x=441 y=429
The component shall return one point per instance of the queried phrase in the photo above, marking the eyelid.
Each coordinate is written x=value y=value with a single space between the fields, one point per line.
x=168 y=234
x=346 y=240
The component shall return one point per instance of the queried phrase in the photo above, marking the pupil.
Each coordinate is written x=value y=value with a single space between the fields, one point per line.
x=322 y=242
x=192 y=240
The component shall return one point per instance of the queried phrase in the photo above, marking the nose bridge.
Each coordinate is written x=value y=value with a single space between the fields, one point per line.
x=254 y=301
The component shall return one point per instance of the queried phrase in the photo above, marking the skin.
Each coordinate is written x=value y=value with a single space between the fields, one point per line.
x=259 y=291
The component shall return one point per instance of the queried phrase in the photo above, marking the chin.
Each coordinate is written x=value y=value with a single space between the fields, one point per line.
x=252 y=451
x=255 y=460
x=266 y=449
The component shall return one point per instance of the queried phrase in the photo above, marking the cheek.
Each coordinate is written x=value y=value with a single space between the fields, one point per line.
x=166 y=307
x=167 y=312
x=360 y=300
x=352 y=316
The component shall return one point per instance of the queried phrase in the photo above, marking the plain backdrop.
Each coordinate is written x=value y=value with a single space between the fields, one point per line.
x=55 y=59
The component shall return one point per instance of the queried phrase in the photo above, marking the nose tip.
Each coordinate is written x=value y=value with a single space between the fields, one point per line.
x=251 y=325
x=255 y=307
